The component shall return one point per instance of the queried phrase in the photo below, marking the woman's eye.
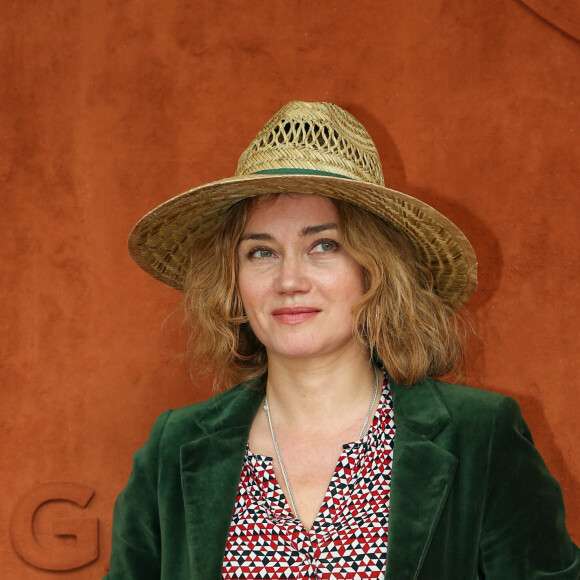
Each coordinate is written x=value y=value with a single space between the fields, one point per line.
x=324 y=247
x=261 y=253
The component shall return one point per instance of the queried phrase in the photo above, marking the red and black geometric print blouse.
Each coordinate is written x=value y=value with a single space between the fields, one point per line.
x=348 y=539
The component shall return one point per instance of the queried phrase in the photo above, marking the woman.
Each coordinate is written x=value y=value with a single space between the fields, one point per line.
x=330 y=300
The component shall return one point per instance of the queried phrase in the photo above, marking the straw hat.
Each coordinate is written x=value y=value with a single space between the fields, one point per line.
x=308 y=148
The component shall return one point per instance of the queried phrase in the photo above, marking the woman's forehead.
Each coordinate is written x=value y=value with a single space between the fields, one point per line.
x=290 y=207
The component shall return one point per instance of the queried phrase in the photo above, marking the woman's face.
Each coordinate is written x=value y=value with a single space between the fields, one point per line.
x=297 y=283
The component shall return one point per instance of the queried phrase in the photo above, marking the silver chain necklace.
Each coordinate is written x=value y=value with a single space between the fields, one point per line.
x=277 y=449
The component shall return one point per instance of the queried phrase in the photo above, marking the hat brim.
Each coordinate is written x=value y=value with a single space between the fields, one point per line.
x=159 y=242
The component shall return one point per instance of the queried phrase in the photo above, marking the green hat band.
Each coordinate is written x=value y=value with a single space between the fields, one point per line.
x=298 y=171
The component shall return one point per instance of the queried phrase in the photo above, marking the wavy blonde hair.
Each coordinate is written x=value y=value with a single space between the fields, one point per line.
x=400 y=318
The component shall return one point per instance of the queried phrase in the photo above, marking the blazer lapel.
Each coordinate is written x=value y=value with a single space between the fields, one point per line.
x=421 y=477
x=210 y=485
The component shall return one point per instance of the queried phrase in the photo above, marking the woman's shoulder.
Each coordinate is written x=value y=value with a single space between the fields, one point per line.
x=431 y=406
x=222 y=404
x=452 y=395
x=235 y=407
x=466 y=395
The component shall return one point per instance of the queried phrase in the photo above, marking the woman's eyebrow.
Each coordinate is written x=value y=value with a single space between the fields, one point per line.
x=310 y=230
x=266 y=237
x=305 y=231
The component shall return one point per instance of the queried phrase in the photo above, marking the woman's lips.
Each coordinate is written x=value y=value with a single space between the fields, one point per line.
x=294 y=315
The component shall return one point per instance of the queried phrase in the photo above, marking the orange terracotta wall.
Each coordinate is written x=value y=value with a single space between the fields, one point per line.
x=108 y=108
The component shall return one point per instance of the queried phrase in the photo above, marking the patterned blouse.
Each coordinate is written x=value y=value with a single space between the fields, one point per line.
x=349 y=536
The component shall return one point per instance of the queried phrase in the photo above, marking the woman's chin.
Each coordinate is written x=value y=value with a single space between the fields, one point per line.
x=301 y=351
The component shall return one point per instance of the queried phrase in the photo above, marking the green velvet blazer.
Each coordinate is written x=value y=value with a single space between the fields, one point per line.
x=470 y=496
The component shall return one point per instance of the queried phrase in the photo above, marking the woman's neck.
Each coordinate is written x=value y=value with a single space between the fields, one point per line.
x=312 y=392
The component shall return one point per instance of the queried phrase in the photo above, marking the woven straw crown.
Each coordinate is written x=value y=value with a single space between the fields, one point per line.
x=311 y=149
x=318 y=137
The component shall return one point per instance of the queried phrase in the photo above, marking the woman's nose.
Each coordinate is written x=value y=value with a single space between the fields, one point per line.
x=292 y=277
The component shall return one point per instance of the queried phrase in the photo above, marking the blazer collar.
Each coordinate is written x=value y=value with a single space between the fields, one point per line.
x=422 y=474
x=419 y=409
